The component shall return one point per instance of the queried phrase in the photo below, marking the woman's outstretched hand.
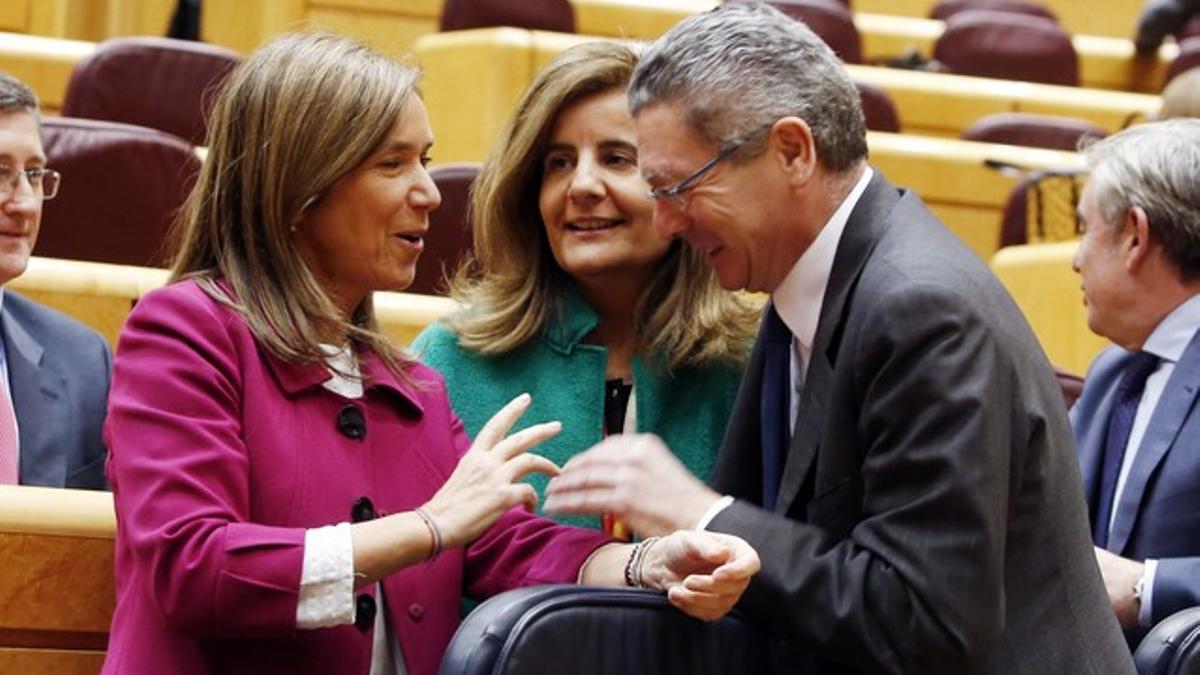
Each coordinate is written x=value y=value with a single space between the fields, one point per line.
x=485 y=483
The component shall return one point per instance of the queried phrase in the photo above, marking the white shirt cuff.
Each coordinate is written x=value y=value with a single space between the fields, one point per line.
x=712 y=511
x=326 y=578
x=1146 y=613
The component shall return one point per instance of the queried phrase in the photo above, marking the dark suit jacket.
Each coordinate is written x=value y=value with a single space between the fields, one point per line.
x=929 y=518
x=1158 y=515
x=58 y=372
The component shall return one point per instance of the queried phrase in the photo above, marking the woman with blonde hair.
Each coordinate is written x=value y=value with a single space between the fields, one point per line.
x=570 y=292
x=294 y=495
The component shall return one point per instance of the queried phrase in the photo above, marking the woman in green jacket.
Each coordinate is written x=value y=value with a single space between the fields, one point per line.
x=572 y=295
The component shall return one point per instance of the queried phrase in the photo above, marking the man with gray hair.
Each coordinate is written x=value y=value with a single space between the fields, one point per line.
x=1136 y=426
x=899 y=453
x=54 y=371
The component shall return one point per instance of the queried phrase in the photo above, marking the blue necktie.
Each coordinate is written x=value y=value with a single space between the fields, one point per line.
x=775 y=431
x=1120 y=422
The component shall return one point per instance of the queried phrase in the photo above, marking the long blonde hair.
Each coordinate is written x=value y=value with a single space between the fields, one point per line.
x=291 y=120
x=510 y=282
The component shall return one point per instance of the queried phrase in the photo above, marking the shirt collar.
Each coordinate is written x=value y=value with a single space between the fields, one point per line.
x=799 y=297
x=1172 y=335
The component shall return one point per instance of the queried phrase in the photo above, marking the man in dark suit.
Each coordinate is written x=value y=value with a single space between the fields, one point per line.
x=55 y=371
x=1136 y=426
x=899 y=453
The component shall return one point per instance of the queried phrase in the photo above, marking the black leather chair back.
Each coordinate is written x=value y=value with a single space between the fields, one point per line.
x=598 y=631
x=1172 y=647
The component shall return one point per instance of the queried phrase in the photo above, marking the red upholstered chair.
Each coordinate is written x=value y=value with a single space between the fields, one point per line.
x=122 y=186
x=1007 y=46
x=553 y=15
x=1188 y=58
x=1041 y=208
x=878 y=108
x=1071 y=385
x=829 y=19
x=948 y=8
x=449 y=237
x=153 y=82
x=1035 y=131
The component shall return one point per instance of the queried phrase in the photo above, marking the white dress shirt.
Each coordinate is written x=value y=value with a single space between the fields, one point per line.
x=798 y=300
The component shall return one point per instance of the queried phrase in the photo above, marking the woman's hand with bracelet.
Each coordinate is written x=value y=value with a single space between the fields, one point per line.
x=485 y=483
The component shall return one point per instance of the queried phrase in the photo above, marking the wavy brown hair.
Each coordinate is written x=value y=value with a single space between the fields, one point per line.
x=510 y=282
x=296 y=116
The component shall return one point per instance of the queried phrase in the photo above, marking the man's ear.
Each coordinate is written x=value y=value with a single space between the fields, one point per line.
x=1135 y=238
x=791 y=140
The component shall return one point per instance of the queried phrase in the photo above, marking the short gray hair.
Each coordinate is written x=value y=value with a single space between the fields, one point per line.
x=16 y=96
x=1156 y=167
x=737 y=69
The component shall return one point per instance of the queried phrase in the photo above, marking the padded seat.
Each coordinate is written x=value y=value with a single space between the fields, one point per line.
x=1007 y=46
x=1172 y=647
x=154 y=82
x=122 y=186
x=449 y=237
x=948 y=8
x=585 y=630
x=1034 y=131
x=829 y=19
x=551 y=15
x=878 y=108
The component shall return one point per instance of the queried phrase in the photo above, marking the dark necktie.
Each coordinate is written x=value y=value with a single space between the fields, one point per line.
x=1120 y=422
x=775 y=431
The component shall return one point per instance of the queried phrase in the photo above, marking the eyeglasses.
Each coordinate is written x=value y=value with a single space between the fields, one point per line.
x=43 y=182
x=677 y=193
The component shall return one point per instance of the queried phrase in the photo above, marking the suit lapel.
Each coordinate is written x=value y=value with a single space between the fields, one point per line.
x=37 y=393
x=859 y=237
x=1169 y=415
x=738 y=469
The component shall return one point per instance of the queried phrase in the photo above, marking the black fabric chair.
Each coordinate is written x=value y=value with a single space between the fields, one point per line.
x=1172 y=647
x=599 y=631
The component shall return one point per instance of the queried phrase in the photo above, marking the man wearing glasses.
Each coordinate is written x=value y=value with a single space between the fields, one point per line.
x=899 y=453
x=54 y=371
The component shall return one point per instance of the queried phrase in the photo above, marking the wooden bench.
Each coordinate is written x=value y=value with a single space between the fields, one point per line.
x=56 y=550
x=1040 y=279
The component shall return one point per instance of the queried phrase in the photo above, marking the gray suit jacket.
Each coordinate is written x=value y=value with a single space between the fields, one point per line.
x=58 y=373
x=930 y=518
x=1158 y=515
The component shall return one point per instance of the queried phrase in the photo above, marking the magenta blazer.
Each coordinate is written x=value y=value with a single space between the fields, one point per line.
x=220 y=456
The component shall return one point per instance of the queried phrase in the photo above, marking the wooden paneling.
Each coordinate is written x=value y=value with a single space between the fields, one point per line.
x=43 y=63
x=1114 y=18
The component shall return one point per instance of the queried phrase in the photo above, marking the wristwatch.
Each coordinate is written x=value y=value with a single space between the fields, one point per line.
x=1138 y=586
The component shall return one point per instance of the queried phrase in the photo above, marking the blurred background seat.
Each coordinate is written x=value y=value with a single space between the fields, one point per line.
x=552 y=15
x=829 y=19
x=1007 y=46
x=160 y=83
x=878 y=108
x=948 y=8
x=122 y=186
x=1035 y=131
x=584 y=630
x=449 y=237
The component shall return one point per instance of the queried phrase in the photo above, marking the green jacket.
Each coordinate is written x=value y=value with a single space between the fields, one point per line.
x=688 y=408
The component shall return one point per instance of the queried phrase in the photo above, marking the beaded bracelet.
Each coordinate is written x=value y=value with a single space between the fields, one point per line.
x=633 y=566
x=435 y=534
